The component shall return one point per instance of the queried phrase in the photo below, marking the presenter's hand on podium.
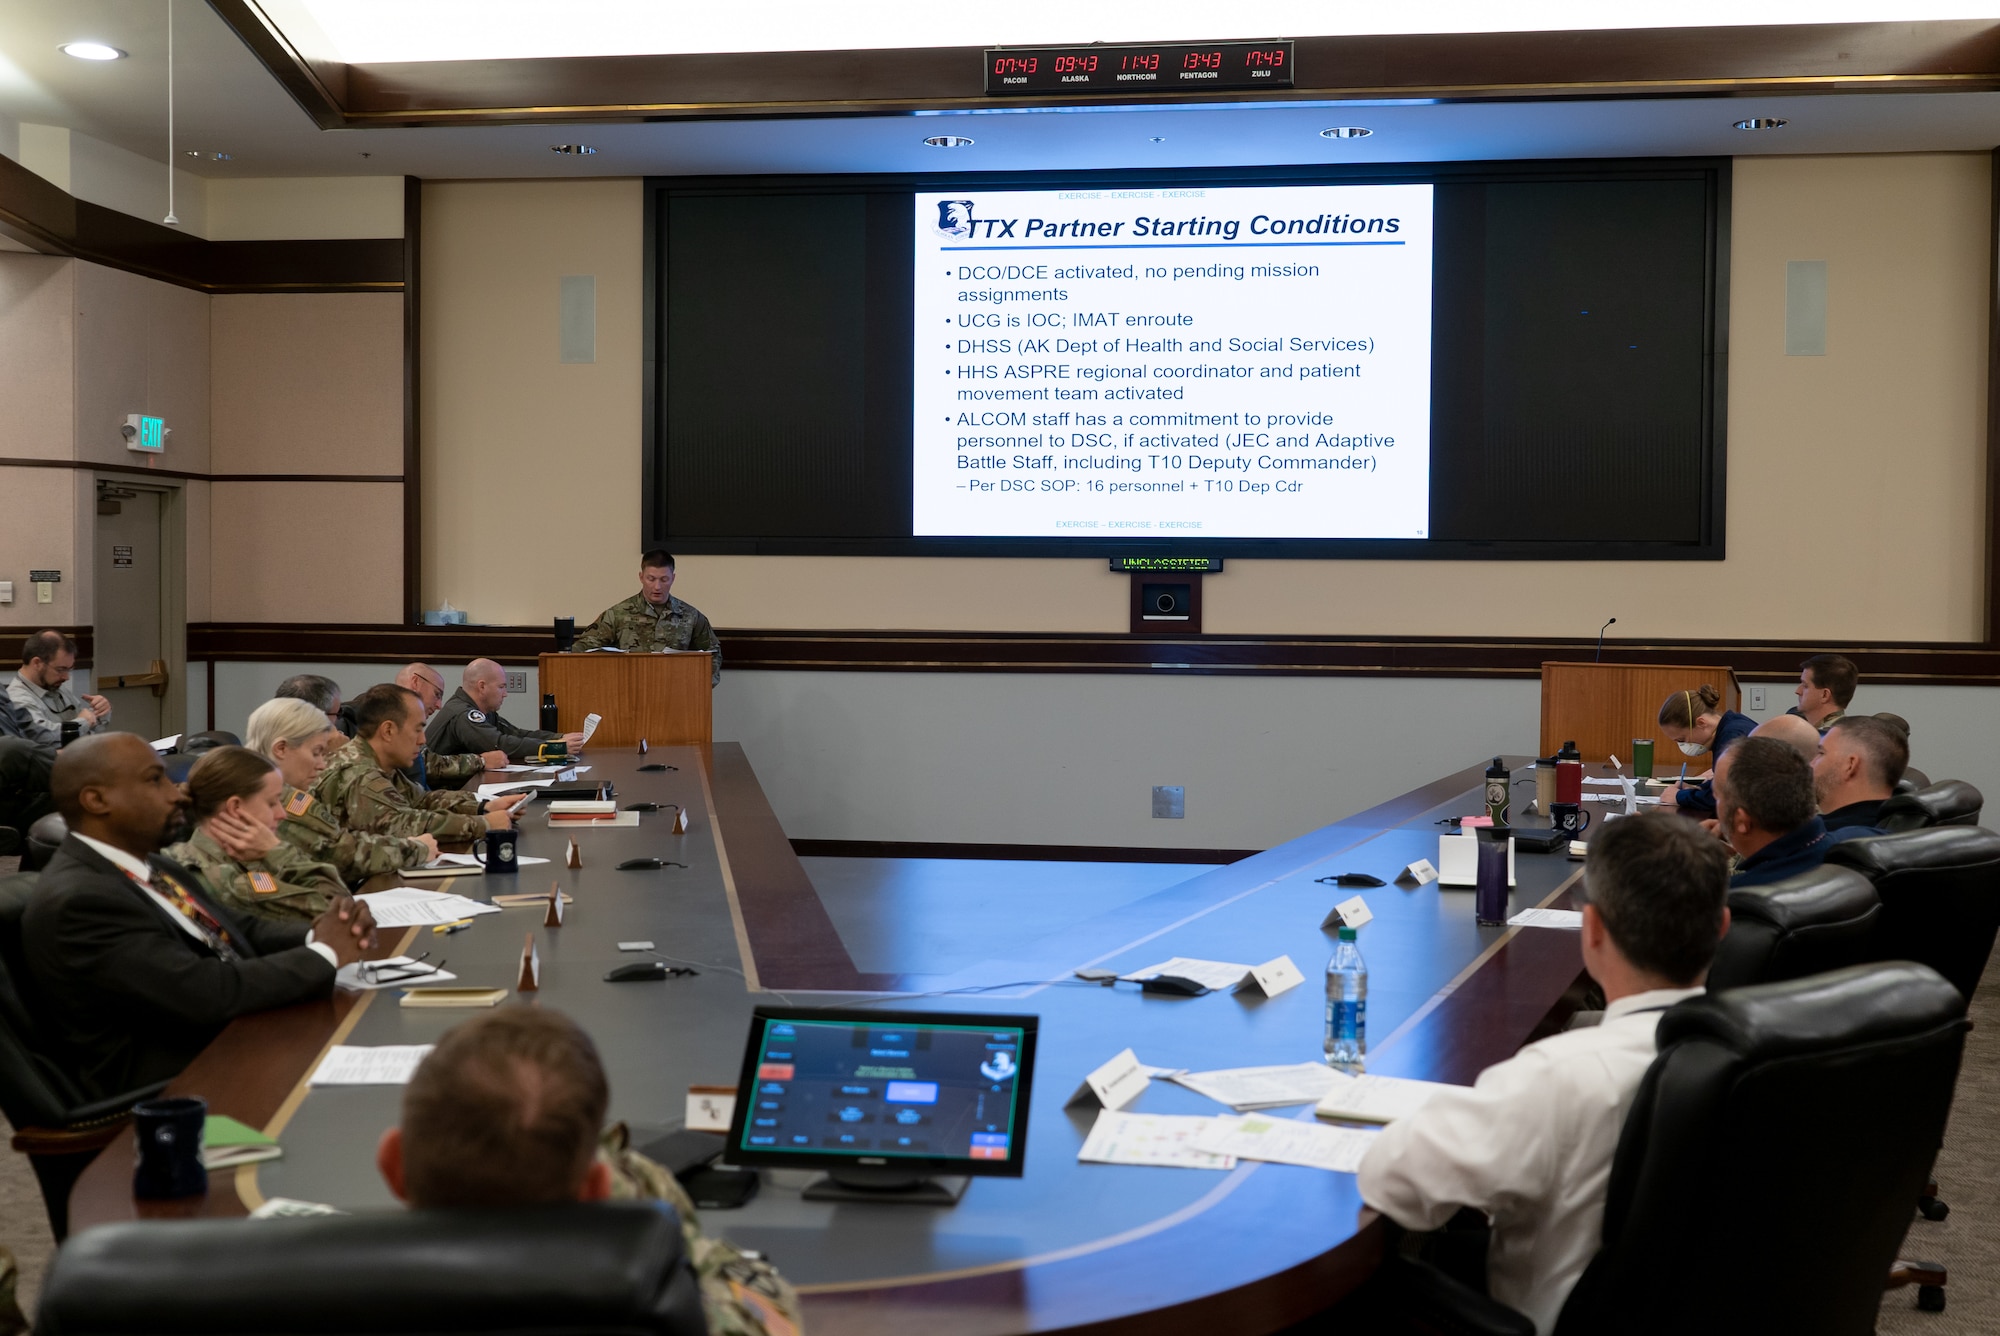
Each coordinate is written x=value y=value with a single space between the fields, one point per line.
x=494 y=760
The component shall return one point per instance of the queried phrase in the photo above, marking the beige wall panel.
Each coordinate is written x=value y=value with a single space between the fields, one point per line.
x=531 y=467
x=199 y=550
x=308 y=208
x=141 y=347
x=38 y=531
x=306 y=552
x=37 y=357
x=307 y=382
x=1837 y=465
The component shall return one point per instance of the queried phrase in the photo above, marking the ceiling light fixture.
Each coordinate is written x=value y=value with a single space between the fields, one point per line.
x=574 y=150
x=91 y=51
x=949 y=141
x=1346 y=132
x=1763 y=123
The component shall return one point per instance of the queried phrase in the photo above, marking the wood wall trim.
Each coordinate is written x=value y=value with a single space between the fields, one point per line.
x=1955 y=56
x=141 y=469
x=1940 y=663
x=1993 y=411
x=12 y=636
x=50 y=220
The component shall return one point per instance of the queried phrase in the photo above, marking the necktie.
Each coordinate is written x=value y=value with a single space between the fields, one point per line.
x=195 y=912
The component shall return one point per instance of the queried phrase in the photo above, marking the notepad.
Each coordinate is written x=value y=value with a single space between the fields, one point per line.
x=226 y=1143
x=1376 y=1099
x=389 y=1064
x=454 y=997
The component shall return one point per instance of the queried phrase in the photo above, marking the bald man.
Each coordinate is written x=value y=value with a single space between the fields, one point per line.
x=435 y=769
x=1794 y=732
x=470 y=721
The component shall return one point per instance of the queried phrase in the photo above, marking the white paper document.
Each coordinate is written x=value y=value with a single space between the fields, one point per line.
x=590 y=723
x=410 y=906
x=486 y=791
x=1263 y=1087
x=391 y=1064
x=516 y=769
x=470 y=860
x=1376 y=1099
x=290 y=1208
x=368 y=976
x=1207 y=973
x=167 y=744
x=1283 y=1141
x=1161 y=1139
x=1548 y=918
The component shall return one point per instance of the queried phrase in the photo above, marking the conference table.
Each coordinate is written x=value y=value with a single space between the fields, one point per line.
x=1068 y=1245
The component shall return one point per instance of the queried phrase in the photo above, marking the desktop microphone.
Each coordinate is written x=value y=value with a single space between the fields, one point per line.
x=1600 y=638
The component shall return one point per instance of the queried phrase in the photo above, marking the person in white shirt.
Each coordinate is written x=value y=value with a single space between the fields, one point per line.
x=1530 y=1145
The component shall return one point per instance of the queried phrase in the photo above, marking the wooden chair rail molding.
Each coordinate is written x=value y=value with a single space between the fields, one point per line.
x=972 y=652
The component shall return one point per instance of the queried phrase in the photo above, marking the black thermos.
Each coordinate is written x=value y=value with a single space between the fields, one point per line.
x=549 y=713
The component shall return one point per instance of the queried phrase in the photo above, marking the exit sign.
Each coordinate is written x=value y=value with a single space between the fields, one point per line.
x=147 y=435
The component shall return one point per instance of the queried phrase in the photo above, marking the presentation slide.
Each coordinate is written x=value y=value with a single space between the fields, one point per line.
x=1241 y=362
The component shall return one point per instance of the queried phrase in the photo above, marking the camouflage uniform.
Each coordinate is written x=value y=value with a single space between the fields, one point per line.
x=640 y=627
x=283 y=884
x=354 y=854
x=438 y=771
x=359 y=793
x=741 y=1293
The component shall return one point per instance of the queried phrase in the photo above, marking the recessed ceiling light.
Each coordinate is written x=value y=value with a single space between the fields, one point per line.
x=574 y=150
x=1346 y=132
x=92 y=51
x=1763 y=123
x=949 y=141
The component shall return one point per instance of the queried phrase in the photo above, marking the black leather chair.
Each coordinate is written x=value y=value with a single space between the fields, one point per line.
x=1820 y=920
x=582 y=1270
x=58 y=1130
x=1951 y=802
x=44 y=838
x=1940 y=892
x=1828 y=1093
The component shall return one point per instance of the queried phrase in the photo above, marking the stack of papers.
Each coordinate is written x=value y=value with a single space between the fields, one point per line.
x=1282 y=1141
x=411 y=906
x=1244 y=1088
x=226 y=1143
x=1571 y=919
x=348 y=1065
x=1159 y=1139
x=1375 y=1099
x=486 y=791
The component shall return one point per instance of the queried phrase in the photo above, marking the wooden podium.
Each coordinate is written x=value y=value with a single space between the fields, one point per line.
x=663 y=698
x=1603 y=706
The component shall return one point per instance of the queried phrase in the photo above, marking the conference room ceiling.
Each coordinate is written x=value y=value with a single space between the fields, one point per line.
x=227 y=102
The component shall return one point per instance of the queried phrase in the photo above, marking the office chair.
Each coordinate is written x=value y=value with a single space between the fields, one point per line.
x=1827 y=1093
x=44 y=838
x=579 y=1269
x=1819 y=920
x=1951 y=802
x=58 y=1130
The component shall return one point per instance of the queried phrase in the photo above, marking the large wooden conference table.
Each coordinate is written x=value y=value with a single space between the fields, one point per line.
x=1068 y=1245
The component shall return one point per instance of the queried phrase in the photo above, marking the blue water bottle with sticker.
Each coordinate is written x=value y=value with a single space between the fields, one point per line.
x=1347 y=1006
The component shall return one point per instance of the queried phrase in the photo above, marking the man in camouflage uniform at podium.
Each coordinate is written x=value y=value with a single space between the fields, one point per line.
x=653 y=619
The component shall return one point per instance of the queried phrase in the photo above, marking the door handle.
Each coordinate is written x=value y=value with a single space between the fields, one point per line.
x=154 y=677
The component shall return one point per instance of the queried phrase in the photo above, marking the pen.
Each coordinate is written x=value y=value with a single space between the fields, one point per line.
x=446 y=929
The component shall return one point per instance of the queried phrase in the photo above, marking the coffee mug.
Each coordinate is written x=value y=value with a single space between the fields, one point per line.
x=169 y=1132
x=1570 y=819
x=500 y=851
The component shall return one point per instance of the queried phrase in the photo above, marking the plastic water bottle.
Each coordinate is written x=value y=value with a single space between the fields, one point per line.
x=1347 y=1006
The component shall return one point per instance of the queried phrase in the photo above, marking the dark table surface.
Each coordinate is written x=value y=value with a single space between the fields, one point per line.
x=1068 y=1244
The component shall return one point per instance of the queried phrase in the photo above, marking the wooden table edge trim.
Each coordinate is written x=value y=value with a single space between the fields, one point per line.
x=247 y=1189
x=744 y=956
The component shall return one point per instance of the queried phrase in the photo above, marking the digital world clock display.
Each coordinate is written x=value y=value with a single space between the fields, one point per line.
x=1178 y=66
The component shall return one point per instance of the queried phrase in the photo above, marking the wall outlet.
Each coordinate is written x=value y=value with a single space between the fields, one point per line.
x=6 y=591
x=517 y=681
x=45 y=592
x=1169 y=801
x=1757 y=699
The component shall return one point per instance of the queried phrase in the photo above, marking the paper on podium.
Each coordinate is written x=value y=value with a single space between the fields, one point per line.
x=1376 y=1099
x=1115 y=1084
x=390 y=1064
x=1244 y=1088
x=1160 y=1139
x=1458 y=860
x=1284 y=1141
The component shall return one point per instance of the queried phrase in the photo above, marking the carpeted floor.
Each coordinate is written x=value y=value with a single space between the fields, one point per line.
x=1968 y=1177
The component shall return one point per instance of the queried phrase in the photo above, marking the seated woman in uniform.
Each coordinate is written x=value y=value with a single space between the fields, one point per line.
x=1697 y=723
x=296 y=738
x=235 y=850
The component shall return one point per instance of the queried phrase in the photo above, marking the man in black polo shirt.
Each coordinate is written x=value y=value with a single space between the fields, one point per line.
x=1860 y=759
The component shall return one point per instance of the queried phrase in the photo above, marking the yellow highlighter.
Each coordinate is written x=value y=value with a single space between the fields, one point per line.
x=447 y=929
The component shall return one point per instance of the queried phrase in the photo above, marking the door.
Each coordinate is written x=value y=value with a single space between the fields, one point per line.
x=130 y=635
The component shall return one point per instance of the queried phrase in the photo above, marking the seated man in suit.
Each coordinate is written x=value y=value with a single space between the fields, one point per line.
x=134 y=968
x=470 y=721
x=1766 y=811
x=365 y=786
x=1530 y=1145
x=508 y=1110
x=1859 y=761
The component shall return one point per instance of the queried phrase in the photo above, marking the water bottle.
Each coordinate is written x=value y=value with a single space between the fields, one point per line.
x=1499 y=791
x=1347 y=1006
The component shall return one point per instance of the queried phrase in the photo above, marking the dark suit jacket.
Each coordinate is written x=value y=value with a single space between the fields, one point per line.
x=128 y=996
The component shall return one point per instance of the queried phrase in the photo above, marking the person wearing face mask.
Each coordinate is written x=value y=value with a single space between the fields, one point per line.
x=295 y=737
x=234 y=800
x=1697 y=724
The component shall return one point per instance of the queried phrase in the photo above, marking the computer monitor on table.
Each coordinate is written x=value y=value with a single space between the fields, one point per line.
x=893 y=1105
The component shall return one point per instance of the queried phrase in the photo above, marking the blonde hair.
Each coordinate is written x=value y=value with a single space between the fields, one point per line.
x=287 y=720
x=1684 y=707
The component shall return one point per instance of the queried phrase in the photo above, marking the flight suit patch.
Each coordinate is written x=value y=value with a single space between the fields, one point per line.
x=476 y=716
